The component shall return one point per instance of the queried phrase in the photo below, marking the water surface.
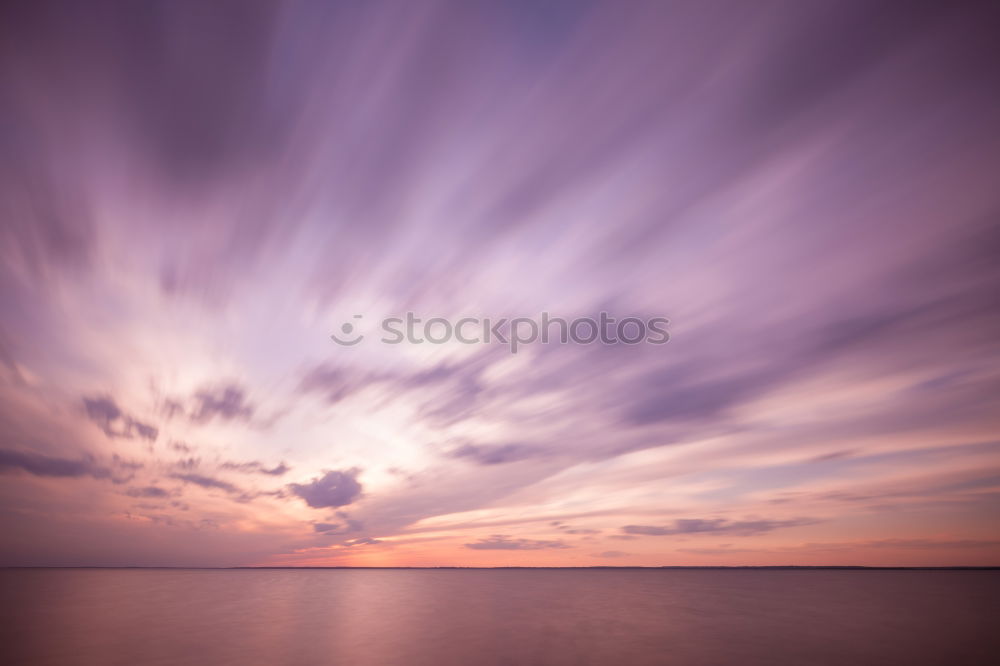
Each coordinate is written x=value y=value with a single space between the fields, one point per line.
x=471 y=617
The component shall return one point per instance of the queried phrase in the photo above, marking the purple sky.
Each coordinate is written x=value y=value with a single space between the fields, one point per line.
x=195 y=195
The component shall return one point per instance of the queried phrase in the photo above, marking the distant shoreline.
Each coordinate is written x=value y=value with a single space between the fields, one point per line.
x=590 y=568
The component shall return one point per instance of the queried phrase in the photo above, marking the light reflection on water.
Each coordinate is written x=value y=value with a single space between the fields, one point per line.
x=417 y=617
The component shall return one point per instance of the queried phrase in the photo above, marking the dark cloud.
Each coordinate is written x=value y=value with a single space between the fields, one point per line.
x=611 y=554
x=327 y=528
x=188 y=115
x=666 y=395
x=892 y=331
x=333 y=489
x=853 y=546
x=225 y=402
x=207 y=482
x=715 y=526
x=143 y=430
x=122 y=463
x=568 y=529
x=256 y=467
x=497 y=454
x=147 y=491
x=42 y=465
x=504 y=542
x=336 y=382
x=450 y=389
x=103 y=411
x=821 y=67
x=348 y=526
x=200 y=108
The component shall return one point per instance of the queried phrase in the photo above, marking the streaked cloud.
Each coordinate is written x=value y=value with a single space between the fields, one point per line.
x=193 y=198
x=114 y=422
x=715 y=526
x=504 y=542
x=42 y=465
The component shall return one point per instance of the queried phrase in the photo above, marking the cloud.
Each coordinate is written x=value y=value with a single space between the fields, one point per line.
x=928 y=544
x=611 y=554
x=143 y=430
x=449 y=389
x=256 y=467
x=716 y=526
x=326 y=528
x=42 y=465
x=103 y=411
x=187 y=463
x=789 y=335
x=855 y=546
x=147 y=491
x=504 y=542
x=567 y=529
x=347 y=527
x=336 y=382
x=494 y=455
x=227 y=402
x=333 y=489
x=207 y=482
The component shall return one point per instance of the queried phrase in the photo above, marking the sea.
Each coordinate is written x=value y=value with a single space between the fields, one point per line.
x=475 y=617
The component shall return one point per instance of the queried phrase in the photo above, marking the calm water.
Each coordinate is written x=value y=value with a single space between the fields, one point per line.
x=474 y=617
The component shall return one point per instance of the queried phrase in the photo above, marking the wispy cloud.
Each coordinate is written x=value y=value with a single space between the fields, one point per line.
x=42 y=465
x=207 y=482
x=226 y=402
x=256 y=467
x=811 y=205
x=504 y=542
x=715 y=526
x=103 y=411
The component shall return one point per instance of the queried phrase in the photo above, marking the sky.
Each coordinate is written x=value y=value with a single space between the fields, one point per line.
x=194 y=196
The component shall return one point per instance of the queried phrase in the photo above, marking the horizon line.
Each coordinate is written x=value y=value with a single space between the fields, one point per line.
x=832 y=567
